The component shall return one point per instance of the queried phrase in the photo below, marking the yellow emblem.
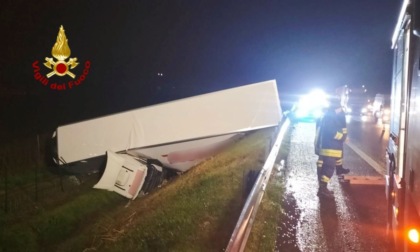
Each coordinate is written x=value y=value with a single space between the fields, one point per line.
x=61 y=51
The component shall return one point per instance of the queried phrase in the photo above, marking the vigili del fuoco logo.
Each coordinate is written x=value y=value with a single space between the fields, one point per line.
x=62 y=66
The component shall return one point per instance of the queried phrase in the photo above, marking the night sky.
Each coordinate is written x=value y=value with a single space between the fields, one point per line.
x=198 y=46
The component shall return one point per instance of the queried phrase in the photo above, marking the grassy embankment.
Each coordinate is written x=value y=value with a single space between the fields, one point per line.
x=197 y=211
x=264 y=232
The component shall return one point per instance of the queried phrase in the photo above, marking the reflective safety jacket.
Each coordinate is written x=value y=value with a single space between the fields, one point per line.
x=331 y=132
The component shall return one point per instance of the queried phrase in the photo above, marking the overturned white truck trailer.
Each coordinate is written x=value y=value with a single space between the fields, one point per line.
x=134 y=145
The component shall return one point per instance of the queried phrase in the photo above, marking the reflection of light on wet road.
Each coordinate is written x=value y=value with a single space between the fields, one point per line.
x=382 y=125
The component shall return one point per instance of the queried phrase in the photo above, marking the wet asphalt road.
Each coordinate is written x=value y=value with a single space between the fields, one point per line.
x=369 y=136
x=354 y=221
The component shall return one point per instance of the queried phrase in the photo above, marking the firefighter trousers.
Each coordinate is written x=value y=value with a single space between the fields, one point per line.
x=326 y=167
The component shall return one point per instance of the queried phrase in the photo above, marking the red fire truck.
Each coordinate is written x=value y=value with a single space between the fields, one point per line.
x=403 y=152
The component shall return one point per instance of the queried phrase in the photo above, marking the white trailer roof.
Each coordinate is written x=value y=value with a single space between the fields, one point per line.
x=228 y=111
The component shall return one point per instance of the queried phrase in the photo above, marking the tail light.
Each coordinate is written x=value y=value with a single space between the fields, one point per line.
x=413 y=235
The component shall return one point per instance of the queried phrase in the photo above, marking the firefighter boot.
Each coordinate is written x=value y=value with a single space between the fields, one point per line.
x=340 y=170
x=324 y=192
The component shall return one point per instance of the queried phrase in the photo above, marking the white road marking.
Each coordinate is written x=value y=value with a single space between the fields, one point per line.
x=368 y=160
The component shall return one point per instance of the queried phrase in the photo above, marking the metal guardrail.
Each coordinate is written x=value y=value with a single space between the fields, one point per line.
x=243 y=227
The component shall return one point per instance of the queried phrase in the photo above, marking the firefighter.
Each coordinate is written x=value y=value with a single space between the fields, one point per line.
x=331 y=132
